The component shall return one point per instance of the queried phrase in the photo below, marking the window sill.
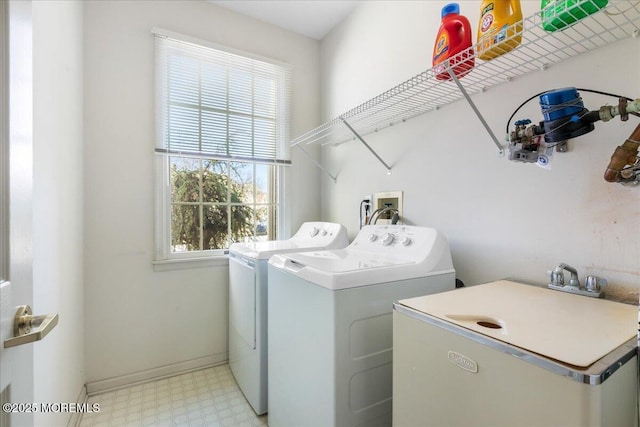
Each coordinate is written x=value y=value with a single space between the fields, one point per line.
x=190 y=263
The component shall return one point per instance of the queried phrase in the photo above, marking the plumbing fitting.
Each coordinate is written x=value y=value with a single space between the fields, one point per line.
x=625 y=155
x=593 y=284
x=375 y=216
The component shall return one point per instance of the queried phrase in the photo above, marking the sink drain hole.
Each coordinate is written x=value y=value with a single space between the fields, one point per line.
x=490 y=325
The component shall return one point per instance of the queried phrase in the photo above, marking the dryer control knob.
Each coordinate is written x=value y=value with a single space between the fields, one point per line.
x=406 y=241
x=387 y=239
x=313 y=231
x=323 y=232
x=373 y=237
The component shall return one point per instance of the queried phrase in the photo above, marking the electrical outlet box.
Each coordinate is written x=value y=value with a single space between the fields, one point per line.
x=386 y=204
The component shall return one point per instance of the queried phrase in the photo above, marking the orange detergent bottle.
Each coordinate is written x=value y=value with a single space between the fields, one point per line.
x=453 y=44
x=499 y=28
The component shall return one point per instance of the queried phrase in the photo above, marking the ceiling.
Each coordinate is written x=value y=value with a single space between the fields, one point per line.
x=312 y=18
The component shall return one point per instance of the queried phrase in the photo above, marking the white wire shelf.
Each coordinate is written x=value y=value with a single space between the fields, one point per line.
x=538 y=49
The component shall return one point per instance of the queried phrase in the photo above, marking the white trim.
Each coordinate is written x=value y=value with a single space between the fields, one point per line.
x=76 y=417
x=110 y=384
x=4 y=143
x=163 y=202
x=284 y=207
x=189 y=263
x=188 y=39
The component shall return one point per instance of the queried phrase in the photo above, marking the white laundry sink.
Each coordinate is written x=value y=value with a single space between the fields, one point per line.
x=572 y=329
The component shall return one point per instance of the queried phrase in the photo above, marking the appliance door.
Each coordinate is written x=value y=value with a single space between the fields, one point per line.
x=242 y=298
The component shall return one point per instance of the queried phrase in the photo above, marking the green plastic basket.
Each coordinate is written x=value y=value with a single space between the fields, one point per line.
x=558 y=14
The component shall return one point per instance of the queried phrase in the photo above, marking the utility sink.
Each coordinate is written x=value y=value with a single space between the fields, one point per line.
x=571 y=329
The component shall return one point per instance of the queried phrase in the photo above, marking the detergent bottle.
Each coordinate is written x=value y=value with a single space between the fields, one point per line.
x=499 y=28
x=557 y=14
x=453 y=41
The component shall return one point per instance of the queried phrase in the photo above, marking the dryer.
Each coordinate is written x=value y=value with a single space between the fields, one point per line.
x=330 y=323
x=248 y=285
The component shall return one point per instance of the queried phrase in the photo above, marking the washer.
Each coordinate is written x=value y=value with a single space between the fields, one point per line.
x=248 y=302
x=508 y=354
x=330 y=323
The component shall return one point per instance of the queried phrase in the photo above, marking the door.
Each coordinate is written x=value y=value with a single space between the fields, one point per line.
x=16 y=363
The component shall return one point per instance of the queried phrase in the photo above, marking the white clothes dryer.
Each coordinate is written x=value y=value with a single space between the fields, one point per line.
x=330 y=323
x=248 y=302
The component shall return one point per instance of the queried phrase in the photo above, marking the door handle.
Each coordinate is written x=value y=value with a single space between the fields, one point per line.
x=23 y=323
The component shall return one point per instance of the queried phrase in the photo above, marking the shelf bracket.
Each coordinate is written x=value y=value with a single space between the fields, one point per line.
x=367 y=145
x=475 y=109
x=315 y=162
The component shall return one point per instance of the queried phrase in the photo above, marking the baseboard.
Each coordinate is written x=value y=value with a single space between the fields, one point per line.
x=115 y=383
x=76 y=417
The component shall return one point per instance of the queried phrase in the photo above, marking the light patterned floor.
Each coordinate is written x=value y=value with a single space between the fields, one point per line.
x=209 y=397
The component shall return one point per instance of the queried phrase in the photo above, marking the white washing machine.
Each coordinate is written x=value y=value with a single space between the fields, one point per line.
x=248 y=302
x=509 y=354
x=330 y=323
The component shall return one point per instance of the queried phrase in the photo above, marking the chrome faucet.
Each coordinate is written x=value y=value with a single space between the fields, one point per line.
x=593 y=283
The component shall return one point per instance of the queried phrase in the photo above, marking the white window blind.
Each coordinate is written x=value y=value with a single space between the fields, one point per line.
x=218 y=104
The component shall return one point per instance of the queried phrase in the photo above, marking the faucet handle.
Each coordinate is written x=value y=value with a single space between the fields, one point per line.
x=594 y=283
x=556 y=277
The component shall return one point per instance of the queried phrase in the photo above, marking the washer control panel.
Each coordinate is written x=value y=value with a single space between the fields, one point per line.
x=319 y=232
x=387 y=237
x=394 y=239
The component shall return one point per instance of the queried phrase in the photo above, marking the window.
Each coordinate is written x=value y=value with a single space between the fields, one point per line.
x=222 y=143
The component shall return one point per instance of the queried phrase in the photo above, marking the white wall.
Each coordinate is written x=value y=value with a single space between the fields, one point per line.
x=503 y=219
x=138 y=320
x=58 y=202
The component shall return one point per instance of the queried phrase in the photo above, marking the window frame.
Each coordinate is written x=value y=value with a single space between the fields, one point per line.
x=166 y=259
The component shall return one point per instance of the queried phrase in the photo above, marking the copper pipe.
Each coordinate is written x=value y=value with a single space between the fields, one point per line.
x=625 y=155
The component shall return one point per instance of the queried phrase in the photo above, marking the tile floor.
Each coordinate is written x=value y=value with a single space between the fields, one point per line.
x=209 y=397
